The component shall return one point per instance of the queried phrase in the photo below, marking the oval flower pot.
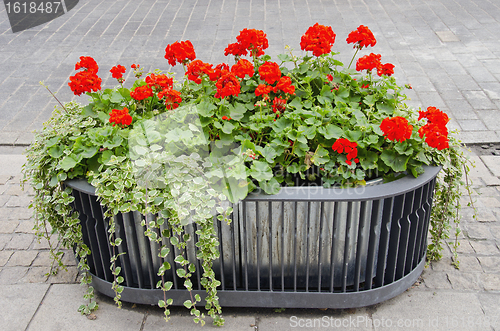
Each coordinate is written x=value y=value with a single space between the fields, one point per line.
x=305 y=247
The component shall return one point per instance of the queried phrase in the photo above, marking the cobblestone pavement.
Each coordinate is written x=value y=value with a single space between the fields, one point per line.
x=447 y=50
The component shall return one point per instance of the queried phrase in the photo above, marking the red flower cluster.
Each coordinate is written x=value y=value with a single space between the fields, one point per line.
x=225 y=118
x=285 y=85
x=279 y=106
x=180 y=52
x=172 y=98
x=270 y=72
x=87 y=63
x=435 y=131
x=117 y=72
x=251 y=40
x=141 y=92
x=137 y=70
x=318 y=39
x=198 y=68
x=372 y=61
x=396 y=128
x=368 y=62
x=159 y=82
x=227 y=85
x=263 y=89
x=242 y=68
x=361 y=37
x=120 y=117
x=87 y=80
x=343 y=145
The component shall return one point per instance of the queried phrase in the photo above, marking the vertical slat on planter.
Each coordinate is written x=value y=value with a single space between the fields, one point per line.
x=404 y=235
x=218 y=225
x=101 y=237
x=282 y=245
x=335 y=225
x=347 y=246
x=271 y=236
x=360 y=244
x=124 y=258
x=320 y=249
x=427 y=207
x=308 y=222
x=392 y=255
x=421 y=214
x=414 y=226
x=133 y=248
x=91 y=230
x=233 y=246
x=257 y=241
x=245 y=239
x=85 y=234
x=373 y=244
x=385 y=232
x=295 y=247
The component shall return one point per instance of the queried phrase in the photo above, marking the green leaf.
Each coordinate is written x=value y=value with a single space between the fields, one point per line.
x=331 y=131
x=228 y=127
x=395 y=161
x=164 y=251
x=271 y=186
x=56 y=151
x=68 y=162
x=321 y=156
x=188 y=304
x=237 y=111
x=261 y=171
x=181 y=273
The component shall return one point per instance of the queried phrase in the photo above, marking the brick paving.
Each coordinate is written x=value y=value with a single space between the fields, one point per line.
x=447 y=50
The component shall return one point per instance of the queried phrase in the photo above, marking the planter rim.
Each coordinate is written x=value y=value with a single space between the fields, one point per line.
x=319 y=193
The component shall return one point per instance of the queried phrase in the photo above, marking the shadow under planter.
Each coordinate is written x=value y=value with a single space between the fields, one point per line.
x=305 y=247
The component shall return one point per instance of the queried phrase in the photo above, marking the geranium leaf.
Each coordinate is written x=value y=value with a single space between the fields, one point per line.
x=394 y=160
x=331 y=131
x=261 y=171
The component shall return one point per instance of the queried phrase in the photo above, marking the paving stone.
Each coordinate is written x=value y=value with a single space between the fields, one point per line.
x=44 y=244
x=428 y=311
x=20 y=241
x=4 y=257
x=464 y=280
x=485 y=248
x=491 y=282
x=19 y=303
x=493 y=163
x=19 y=201
x=469 y=264
x=490 y=302
x=26 y=227
x=8 y=226
x=490 y=263
x=464 y=247
x=478 y=231
x=15 y=214
x=4 y=239
x=183 y=322
x=36 y=275
x=12 y=275
x=64 y=276
x=65 y=300
x=436 y=280
x=22 y=258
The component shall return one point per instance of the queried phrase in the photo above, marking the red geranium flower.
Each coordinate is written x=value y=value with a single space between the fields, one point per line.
x=385 y=69
x=159 y=82
x=120 y=117
x=172 y=98
x=285 y=85
x=83 y=82
x=368 y=62
x=88 y=64
x=225 y=118
x=270 y=72
x=141 y=92
x=435 y=131
x=396 y=128
x=279 y=105
x=198 y=68
x=318 y=39
x=227 y=85
x=219 y=69
x=263 y=89
x=180 y=52
x=251 y=40
x=117 y=72
x=361 y=37
x=343 y=145
x=242 y=68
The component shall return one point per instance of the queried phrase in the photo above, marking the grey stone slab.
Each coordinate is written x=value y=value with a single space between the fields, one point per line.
x=429 y=310
x=20 y=241
x=65 y=300
x=22 y=258
x=185 y=322
x=11 y=164
x=19 y=303
x=493 y=163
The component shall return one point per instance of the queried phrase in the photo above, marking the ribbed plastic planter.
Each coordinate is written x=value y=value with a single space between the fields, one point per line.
x=305 y=247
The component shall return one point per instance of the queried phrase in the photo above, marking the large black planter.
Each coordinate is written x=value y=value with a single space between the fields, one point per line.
x=306 y=247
